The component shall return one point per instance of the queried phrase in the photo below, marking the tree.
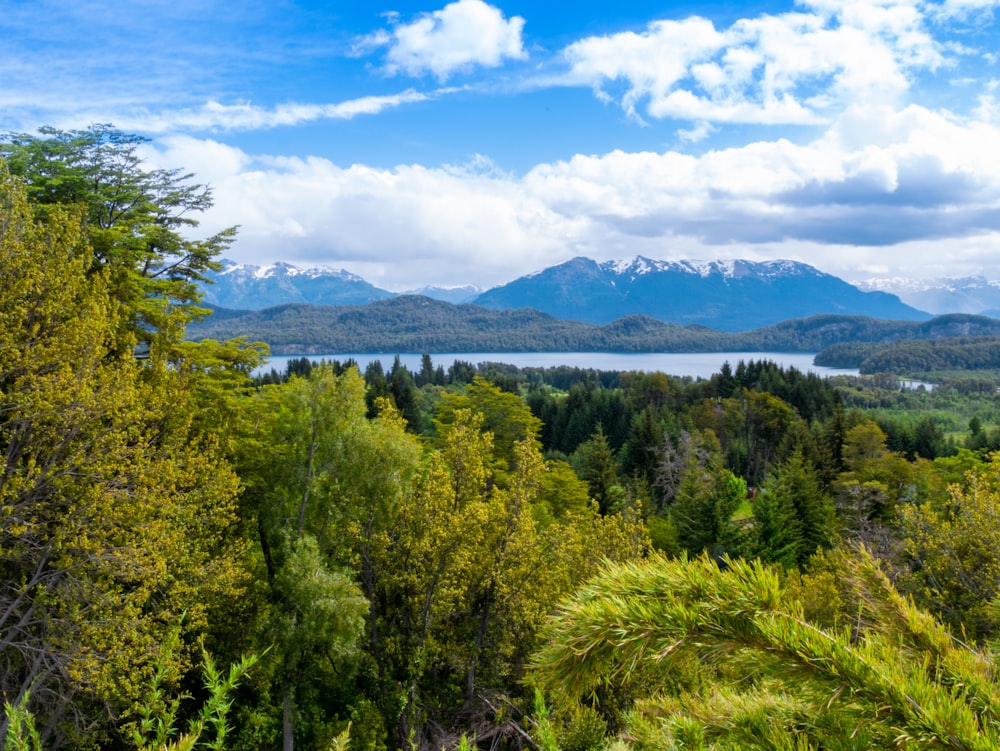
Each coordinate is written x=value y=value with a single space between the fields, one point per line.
x=426 y=375
x=872 y=485
x=598 y=468
x=699 y=493
x=560 y=493
x=951 y=554
x=777 y=529
x=136 y=218
x=321 y=478
x=767 y=422
x=645 y=437
x=725 y=418
x=377 y=387
x=438 y=561
x=708 y=657
x=468 y=564
x=116 y=502
x=405 y=395
x=794 y=516
x=928 y=439
x=505 y=416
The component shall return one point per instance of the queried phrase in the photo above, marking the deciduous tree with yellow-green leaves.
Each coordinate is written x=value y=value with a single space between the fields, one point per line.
x=116 y=503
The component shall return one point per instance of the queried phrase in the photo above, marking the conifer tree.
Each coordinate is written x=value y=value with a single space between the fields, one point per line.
x=794 y=516
x=688 y=654
x=598 y=468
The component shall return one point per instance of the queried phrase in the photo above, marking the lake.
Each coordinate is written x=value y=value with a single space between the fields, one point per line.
x=695 y=365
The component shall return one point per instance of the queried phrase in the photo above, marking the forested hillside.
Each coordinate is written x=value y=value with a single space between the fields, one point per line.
x=419 y=324
x=459 y=556
x=947 y=354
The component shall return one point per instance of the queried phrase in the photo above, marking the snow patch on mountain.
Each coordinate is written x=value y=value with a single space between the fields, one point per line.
x=727 y=269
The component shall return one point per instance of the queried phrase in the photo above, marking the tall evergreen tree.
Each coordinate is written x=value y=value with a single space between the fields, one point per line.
x=701 y=495
x=794 y=516
x=777 y=529
x=598 y=468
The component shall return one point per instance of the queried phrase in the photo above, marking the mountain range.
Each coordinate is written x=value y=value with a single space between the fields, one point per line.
x=240 y=286
x=971 y=294
x=724 y=295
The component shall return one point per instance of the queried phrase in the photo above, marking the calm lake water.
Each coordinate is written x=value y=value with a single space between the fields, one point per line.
x=695 y=365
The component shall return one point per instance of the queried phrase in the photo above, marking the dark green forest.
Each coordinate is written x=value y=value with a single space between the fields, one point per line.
x=462 y=556
x=943 y=355
x=418 y=324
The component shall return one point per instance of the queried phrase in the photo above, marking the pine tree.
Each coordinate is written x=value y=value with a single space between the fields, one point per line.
x=598 y=468
x=794 y=516
x=777 y=529
x=690 y=654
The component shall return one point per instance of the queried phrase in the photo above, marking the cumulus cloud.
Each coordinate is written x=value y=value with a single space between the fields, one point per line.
x=397 y=227
x=461 y=35
x=791 y=68
x=917 y=183
x=918 y=174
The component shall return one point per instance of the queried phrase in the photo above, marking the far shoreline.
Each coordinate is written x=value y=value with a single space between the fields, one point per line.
x=679 y=364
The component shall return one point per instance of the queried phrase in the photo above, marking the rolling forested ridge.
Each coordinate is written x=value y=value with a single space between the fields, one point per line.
x=418 y=324
x=464 y=555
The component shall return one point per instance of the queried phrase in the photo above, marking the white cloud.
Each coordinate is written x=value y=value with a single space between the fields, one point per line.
x=878 y=178
x=963 y=9
x=246 y=116
x=396 y=226
x=699 y=132
x=881 y=187
x=792 y=68
x=461 y=35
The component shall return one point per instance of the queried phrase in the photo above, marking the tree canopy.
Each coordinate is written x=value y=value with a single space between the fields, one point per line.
x=136 y=219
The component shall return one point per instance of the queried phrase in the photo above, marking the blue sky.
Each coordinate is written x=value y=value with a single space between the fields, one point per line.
x=471 y=142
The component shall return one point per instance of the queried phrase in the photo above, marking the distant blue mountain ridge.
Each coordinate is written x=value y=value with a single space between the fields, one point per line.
x=971 y=294
x=724 y=295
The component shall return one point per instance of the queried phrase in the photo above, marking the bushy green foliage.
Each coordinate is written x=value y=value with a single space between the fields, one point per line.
x=762 y=675
x=116 y=501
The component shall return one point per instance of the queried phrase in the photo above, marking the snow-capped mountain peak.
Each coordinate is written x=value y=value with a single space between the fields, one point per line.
x=252 y=287
x=728 y=294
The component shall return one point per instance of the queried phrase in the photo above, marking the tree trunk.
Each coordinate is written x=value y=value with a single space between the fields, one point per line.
x=287 y=720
